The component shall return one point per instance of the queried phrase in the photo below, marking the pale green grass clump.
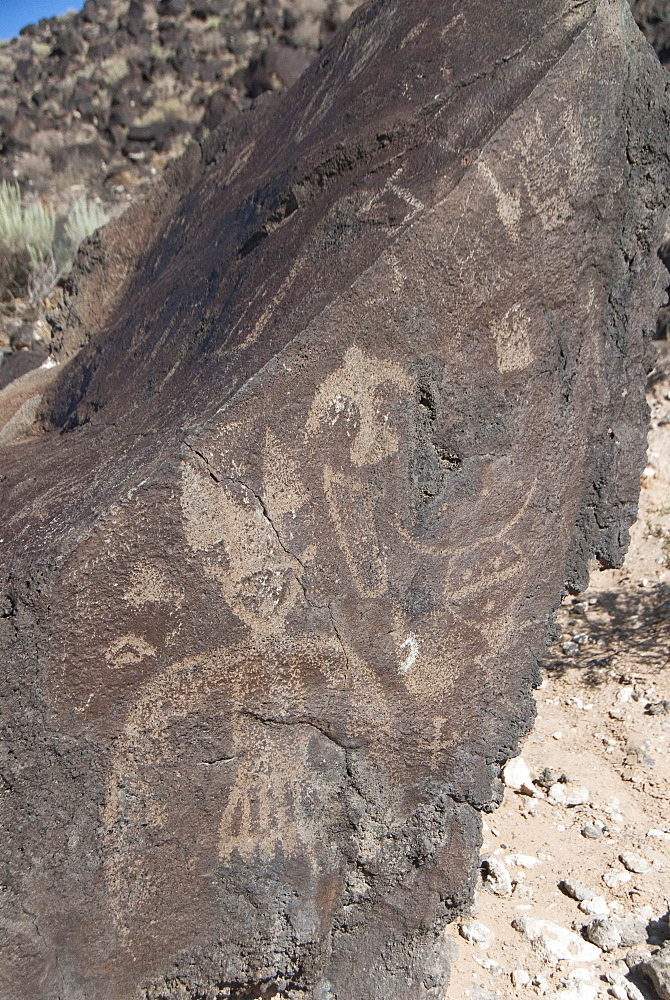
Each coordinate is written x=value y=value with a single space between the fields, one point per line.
x=34 y=250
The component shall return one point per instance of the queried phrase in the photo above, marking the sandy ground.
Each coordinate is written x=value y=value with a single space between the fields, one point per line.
x=604 y=730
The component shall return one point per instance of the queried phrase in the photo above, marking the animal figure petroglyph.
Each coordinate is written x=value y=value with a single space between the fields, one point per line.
x=276 y=684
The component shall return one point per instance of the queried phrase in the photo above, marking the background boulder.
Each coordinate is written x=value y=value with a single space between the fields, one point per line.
x=299 y=514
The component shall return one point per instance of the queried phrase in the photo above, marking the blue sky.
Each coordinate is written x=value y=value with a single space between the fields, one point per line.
x=15 y=14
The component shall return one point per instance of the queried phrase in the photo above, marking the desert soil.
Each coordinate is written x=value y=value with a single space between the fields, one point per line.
x=603 y=727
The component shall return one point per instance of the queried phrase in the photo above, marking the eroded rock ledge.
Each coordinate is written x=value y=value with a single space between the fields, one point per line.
x=298 y=517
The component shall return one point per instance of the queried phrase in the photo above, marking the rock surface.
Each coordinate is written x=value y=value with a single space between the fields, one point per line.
x=252 y=705
x=657 y=969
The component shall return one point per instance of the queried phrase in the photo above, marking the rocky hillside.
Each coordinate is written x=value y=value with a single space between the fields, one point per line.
x=100 y=100
x=95 y=104
x=103 y=98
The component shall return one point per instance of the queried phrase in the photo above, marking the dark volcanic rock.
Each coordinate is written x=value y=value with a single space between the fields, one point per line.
x=653 y=17
x=278 y=578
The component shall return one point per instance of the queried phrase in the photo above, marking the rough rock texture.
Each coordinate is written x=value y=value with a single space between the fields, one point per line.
x=657 y=968
x=296 y=519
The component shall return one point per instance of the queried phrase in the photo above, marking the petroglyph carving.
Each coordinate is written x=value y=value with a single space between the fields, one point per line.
x=512 y=340
x=128 y=650
x=352 y=509
x=151 y=585
x=276 y=589
x=242 y=551
x=353 y=394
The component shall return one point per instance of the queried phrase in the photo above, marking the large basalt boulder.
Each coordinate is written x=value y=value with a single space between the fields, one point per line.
x=281 y=559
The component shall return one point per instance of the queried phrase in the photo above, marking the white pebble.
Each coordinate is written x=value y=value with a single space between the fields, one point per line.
x=634 y=863
x=554 y=943
x=556 y=793
x=581 y=975
x=613 y=878
x=523 y=860
x=577 y=796
x=557 y=736
x=520 y=977
x=596 y=907
x=658 y=834
x=476 y=933
x=498 y=880
x=516 y=775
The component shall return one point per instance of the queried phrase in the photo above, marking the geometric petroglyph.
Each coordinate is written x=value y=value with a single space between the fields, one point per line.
x=128 y=650
x=512 y=341
x=508 y=205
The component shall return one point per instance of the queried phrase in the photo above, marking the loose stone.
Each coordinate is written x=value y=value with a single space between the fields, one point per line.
x=516 y=775
x=476 y=932
x=657 y=968
x=613 y=932
x=635 y=956
x=576 y=890
x=634 y=863
x=554 y=943
x=497 y=879
x=577 y=796
x=596 y=907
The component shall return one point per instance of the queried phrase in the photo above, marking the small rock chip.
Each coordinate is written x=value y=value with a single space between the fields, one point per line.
x=476 y=933
x=496 y=877
x=634 y=863
x=554 y=943
x=657 y=968
x=618 y=992
x=556 y=794
x=516 y=775
x=614 y=878
x=596 y=907
x=581 y=976
x=520 y=977
x=658 y=708
x=580 y=991
x=575 y=890
x=577 y=796
x=658 y=834
x=523 y=860
x=591 y=832
x=569 y=648
x=548 y=777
